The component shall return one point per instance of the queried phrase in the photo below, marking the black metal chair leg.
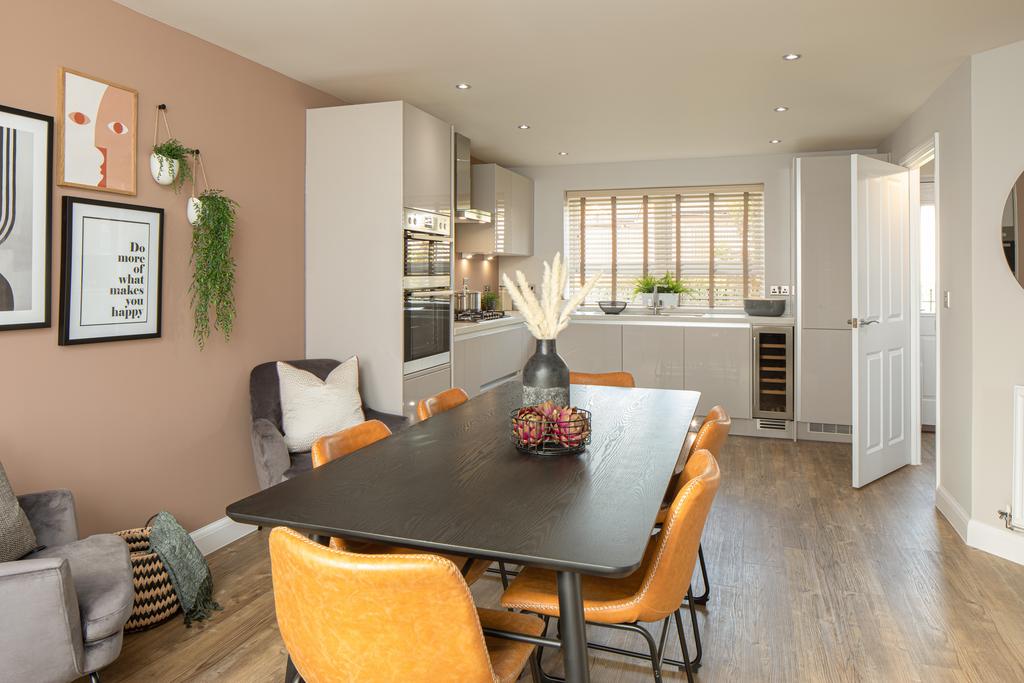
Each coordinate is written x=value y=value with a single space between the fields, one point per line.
x=682 y=645
x=504 y=575
x=655 y=654
x=535 y=674
x=94 y=677
x=695 y=663
x=702 y=599
x=291 y=674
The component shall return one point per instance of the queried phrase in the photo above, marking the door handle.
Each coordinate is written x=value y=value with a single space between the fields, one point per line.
x=861 y=322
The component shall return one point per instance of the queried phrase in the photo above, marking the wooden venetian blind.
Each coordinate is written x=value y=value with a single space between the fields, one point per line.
x=711 y=238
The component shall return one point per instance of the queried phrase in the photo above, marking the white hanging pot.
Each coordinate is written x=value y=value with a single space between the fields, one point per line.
x=193 y=208
x=164 y=170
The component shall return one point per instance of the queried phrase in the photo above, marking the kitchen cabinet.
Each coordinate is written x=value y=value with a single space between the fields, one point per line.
x=509 y=198
x=427 y=161
x=655 y=356
x=825 y=267
x=826 y=390
x=825 y=259
x=422 y=385
x=591 y=348
x=718 y=364
x=483 y=361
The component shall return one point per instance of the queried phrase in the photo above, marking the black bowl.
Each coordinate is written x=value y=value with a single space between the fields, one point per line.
x=612 y=307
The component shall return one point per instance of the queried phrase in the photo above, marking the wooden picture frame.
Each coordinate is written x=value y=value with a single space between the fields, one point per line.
x=111 y=281
x=90 y=152
x=26 y=161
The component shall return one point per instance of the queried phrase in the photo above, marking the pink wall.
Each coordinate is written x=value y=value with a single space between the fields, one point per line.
x=139 y=426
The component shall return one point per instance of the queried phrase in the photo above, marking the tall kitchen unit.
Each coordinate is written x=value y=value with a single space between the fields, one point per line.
x=370 y=170
x=824 y=277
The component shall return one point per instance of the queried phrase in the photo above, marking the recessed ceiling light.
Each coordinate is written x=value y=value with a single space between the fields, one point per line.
x=791 y=56
x=563 y=154
x=524 y=126
x=781 y=108
x=774 y=141
x=467 y=256
x=463 y=86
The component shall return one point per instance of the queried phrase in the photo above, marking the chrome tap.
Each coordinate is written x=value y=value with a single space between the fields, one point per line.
x=656 y=301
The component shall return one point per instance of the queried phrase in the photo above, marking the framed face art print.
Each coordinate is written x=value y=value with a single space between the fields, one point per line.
x=97 y=134
x=26 y=176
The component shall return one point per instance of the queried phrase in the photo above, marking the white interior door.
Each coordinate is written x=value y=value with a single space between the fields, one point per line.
x=884 y=315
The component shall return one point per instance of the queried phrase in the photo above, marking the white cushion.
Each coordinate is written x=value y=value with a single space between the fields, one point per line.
x=311 y=408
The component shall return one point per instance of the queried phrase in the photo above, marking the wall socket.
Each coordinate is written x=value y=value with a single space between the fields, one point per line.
x=779 y=290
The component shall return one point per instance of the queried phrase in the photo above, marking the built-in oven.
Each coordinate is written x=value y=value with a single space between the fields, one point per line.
x=427 y=320
x=428 y=261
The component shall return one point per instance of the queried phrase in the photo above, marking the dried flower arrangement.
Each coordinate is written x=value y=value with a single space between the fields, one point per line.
x=546 y=317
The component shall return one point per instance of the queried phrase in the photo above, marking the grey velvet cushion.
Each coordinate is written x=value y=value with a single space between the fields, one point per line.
x=16 y=535
x=101 y=571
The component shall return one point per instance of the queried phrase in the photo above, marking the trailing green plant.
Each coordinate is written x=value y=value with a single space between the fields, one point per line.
x=213 y=267
x=174 y=150
x=666 y=285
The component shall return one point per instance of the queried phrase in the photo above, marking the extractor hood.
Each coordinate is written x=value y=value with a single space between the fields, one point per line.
x=464 y=211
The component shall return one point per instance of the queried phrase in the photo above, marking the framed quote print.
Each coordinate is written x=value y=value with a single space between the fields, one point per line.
x=26 y=176
x=111 y=272
x=97 y=134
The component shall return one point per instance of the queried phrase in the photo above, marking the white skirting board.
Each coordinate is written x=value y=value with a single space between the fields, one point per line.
x=953 y=512
x=219 y=533
x=992 y=539
x=996 y=540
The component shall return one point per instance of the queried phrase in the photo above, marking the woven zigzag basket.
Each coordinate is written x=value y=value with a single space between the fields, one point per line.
x=155 y=599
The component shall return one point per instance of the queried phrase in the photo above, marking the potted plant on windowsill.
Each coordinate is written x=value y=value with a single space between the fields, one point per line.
x=669 y=290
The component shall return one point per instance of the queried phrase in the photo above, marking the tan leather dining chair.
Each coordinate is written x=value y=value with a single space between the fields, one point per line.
x=347 y=441
x=655 y=591
x=446 y=400
x=713 y=432
x=382 y=618
x=603 y=379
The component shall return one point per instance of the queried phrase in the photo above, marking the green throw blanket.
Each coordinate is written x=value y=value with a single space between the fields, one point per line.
x=189 y=572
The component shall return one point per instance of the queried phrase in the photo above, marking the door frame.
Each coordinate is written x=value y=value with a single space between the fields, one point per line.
x=915 y=159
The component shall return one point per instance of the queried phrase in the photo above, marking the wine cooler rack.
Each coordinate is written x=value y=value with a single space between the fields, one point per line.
x=773 y=372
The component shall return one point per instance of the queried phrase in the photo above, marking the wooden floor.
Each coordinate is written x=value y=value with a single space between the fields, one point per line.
x=812 y=580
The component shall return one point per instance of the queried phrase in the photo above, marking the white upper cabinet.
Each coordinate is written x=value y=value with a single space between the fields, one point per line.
x=427 y=161
x=824 y=187
x=509 y=198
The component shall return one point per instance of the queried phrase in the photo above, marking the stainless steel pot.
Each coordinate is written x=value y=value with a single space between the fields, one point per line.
x=466 y=302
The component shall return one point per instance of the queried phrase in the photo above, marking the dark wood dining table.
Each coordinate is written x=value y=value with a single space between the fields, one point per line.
x=456 y=484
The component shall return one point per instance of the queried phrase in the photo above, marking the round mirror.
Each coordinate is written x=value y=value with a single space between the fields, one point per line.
x=1013 y=222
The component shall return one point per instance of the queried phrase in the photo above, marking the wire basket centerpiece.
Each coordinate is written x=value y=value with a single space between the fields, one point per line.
x=547 y=429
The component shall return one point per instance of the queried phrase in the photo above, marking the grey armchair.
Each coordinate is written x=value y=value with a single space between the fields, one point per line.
x=274 y=463
x=65 y=606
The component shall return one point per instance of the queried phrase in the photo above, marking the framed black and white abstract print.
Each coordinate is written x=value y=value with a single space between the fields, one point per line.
x=26 y=179
x=111 y=271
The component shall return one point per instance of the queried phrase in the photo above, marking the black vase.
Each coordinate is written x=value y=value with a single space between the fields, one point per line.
x=545 y=376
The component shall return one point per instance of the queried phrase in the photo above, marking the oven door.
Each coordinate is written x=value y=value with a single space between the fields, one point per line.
x=428 y=328
x=427 y=262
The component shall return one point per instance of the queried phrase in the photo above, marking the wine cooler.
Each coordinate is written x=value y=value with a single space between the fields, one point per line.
x=773 y=372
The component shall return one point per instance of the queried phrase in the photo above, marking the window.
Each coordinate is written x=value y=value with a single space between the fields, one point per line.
x=710 y=238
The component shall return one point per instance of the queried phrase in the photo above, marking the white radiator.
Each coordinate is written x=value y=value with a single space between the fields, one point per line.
x=1016 y=517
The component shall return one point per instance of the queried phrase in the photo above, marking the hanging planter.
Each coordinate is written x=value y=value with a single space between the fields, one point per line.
x=193 y=206
x=213 y=267
x=168 y=163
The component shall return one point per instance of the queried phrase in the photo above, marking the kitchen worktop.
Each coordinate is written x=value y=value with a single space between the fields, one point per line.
x=466 y=329
x=679 y=318
x=597 y=317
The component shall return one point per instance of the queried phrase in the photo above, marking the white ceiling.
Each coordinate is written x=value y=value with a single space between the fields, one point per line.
x=614 y=81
